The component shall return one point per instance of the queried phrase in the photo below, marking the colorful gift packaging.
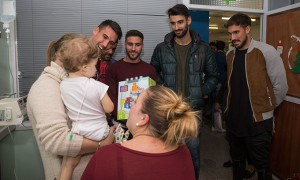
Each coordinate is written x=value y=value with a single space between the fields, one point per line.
x=128 y=91
x=120 y=135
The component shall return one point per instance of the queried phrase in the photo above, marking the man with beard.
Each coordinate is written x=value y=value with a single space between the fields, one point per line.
x=104 y=62
x=181 y=62
x=102 y=34
x=130 y=66
x=256 y=85
x=106 y=49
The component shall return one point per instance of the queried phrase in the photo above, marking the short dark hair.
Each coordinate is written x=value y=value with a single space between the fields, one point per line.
x=239 y=19
x=220 y=45
x=134 y=33
x=212 y=43
x=114 y=25
x=179 y=9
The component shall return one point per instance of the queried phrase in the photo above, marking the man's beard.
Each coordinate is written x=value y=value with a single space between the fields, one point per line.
x=242 y=44
x=184 y=31
x=133 y=58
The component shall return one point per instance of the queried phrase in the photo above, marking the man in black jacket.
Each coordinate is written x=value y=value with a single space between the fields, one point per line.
x=184 y=63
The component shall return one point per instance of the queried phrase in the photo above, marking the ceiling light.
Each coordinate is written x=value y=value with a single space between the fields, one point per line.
x=227 y=18
x=213 y=27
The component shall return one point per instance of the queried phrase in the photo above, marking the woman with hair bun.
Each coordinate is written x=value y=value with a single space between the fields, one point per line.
x=159 y=120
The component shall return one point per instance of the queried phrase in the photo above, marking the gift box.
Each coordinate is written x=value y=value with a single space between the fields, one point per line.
x=121 y=135
x=128 y=92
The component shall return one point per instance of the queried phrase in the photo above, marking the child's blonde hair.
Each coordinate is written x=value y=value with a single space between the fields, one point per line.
x=77 y=52
x=55 y=46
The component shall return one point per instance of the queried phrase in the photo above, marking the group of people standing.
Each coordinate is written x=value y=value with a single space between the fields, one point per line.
x=163 y=117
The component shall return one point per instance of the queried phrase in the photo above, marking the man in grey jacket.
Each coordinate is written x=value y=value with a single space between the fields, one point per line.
x=184 y=63
x=256 y=85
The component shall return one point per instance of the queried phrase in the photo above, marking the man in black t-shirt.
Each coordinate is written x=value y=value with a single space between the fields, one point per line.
x=256 y=85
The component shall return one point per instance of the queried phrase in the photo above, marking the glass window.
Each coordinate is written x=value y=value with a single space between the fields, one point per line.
x=250 y=4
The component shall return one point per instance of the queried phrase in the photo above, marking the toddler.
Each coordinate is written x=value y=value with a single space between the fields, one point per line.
x=86 y=99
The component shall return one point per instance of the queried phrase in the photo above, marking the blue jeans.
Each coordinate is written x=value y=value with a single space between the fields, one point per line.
x=194 y=147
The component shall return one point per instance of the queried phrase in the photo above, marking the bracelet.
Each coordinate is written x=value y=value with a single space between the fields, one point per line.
x=98 y=145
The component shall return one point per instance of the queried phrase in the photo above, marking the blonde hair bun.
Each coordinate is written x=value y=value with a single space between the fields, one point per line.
x=170 y=117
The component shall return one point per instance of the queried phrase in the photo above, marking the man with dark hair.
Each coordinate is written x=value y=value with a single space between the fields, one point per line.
x=104 y=61
x=220 y=45
x=130 y=66
x=256 y=85
x=106 y=34
x=222 y=69
x=221 y=61
x=106 y=37
x=181 y=62
x=213 y=46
